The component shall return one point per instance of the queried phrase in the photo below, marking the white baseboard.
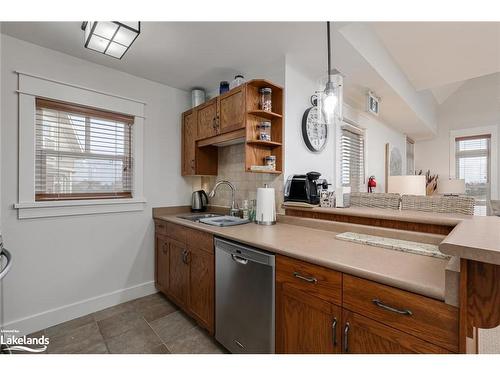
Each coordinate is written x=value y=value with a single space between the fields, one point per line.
x=61 y=314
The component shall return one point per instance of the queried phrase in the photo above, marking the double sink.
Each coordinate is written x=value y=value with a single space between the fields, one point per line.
x=215 y=219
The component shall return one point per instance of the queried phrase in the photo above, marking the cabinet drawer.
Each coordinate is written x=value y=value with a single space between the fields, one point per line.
x=423 y=317
x=315 y=280
x=160 y=227
x=200 y=240
x=177 y=232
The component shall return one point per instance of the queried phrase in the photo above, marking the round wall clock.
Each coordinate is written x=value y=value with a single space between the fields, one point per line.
x=314 y=133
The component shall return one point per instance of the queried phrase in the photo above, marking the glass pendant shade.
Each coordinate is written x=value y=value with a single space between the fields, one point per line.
x=330 y=100
x=111 y=38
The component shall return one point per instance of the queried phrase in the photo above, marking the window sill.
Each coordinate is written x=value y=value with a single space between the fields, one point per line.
x=32 y=210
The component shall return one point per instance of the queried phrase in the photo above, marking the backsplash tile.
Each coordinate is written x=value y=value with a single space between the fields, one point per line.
x=232 y=168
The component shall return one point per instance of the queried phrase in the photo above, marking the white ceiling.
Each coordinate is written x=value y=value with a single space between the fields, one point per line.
x=442 y=55
x=434 y=56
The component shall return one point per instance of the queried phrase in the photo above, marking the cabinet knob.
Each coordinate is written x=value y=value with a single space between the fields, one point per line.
x=346 y=337
x=334 y=331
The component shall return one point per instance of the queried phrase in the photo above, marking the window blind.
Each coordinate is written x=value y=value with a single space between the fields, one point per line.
x=81 y=153
x=410 y=156
x=352 y=145
x=472 y=163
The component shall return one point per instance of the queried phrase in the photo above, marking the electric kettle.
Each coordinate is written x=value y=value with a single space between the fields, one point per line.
x=199 y=201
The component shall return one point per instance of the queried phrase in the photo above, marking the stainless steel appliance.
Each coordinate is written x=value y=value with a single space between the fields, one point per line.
x=199 y=201
x=244 y=298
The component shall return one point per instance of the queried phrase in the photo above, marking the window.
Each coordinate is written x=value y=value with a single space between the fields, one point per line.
x=473 y=163
x=352 y=161
x=81 y=153
x=410 y=156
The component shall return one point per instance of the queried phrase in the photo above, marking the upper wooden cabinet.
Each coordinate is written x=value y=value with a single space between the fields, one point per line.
x=207 y=119
x=231 y=118
x=232 y=110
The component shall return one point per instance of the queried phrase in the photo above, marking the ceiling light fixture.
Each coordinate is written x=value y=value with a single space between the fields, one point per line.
x=111 y=38
x=331 y=98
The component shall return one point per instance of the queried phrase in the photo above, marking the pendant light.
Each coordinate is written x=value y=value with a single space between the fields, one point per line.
x=331 y=97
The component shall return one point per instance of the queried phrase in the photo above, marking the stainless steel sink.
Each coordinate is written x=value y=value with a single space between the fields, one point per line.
x=197 y=217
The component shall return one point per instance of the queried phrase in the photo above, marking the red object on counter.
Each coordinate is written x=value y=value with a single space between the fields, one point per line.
x=372 y=183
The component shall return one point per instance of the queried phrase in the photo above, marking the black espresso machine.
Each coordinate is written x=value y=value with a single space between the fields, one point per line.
x=304 y=188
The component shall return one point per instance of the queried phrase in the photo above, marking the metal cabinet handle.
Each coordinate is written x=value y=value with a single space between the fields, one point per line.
x=346 y=337
x=334 y=331
x=382 y=305
x=239 y=260
x=5 y=253
x=305 y=278
x=185 y=256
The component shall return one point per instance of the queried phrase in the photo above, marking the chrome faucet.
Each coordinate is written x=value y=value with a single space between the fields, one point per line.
x=234 y=210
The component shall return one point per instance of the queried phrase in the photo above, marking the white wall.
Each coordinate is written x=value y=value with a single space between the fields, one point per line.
x=475 y=104
x=299 y=160
x=61 y=262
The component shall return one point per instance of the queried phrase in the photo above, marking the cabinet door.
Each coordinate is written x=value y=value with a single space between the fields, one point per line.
x=361 y=335
x=179 y=272
x=201 y=287
x=232 y=110
x=207 y=119
x=306 y=324
x=189 y=133
x=162 y=263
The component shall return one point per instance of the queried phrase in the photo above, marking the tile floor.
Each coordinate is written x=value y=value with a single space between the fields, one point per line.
x=148 y=325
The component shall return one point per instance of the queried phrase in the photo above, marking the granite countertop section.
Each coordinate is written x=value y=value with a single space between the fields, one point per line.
x=415 y=273
x=388 y=214
x=477 y=239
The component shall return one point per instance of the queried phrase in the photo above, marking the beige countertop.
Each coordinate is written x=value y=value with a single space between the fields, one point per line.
x=381 y=213
x=415 y=273
x=477 y=238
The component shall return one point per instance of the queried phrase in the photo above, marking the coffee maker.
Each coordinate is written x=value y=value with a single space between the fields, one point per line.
x=304 y=188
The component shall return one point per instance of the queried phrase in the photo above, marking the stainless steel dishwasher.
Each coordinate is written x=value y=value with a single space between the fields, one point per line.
x=244 y=298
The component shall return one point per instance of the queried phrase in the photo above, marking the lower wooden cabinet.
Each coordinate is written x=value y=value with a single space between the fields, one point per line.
x=306 y=324
x=184 y=270
x=361 y=335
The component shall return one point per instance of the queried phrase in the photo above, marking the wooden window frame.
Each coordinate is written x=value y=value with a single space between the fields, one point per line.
x=87 y=112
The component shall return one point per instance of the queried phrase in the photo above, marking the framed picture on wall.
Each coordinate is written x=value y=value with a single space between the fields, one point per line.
x=393 y=163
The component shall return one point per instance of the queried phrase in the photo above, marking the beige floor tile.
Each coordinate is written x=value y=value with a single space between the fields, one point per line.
x=66 y=327
x=153 y=307
x=140 y=340
x=113 y=310
x=172 y=326
x=195 y=341
x=85 y=339
x=120 y=323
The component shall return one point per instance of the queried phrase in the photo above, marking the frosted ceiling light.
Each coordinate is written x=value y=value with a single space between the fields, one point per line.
x=111 y=38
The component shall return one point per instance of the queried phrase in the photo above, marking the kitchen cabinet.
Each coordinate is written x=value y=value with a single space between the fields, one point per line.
x=184 y=270
x=162 y=262
x=201 y=286
x=232 y=110
x=207 y=122
x=229 y=119
x=179 y=273
x=306 y=324
x=189 y=134
x=371 y=317
x=361 y=335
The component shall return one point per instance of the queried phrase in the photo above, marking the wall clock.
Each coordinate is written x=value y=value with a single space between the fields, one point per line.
x=314 y=132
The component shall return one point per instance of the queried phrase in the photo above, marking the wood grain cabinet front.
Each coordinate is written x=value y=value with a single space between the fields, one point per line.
x=361 y=335
x=306 y=324
x=207 y=119
x=185 y=270
x=232 y=110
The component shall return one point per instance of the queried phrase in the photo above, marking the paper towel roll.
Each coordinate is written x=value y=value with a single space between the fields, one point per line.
x=266 y=206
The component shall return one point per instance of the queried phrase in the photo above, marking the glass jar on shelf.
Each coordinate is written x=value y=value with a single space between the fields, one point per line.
x=264 y=131
x=265 y=101
x=270 y=161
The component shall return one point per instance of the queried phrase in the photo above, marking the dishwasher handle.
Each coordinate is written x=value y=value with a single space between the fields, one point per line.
x=239 y=259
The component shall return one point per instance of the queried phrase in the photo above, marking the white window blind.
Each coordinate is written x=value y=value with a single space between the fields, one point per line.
x=352 y=143
x=410 y=156
x=472 y=163
x=82 y=153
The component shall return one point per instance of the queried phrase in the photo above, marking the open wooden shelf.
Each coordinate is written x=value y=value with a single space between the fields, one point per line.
x=270 y=172
x=264 y=143
x=265 y=114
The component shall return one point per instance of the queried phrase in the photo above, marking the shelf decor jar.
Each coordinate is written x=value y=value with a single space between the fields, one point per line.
x=265 y=102
x=264 y=131
x=270 y=161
